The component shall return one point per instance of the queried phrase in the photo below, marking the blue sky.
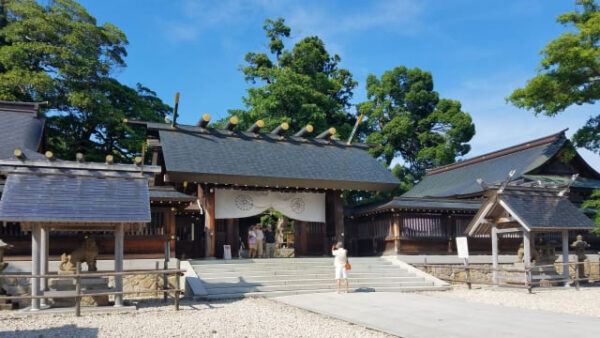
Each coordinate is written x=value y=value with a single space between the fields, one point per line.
x=478 y=52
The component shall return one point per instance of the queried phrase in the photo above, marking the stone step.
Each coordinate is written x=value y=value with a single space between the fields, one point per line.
x=208 y=284
x=319 y=286
x=297 y=266
x=282 y=261
x=302 y=291
x=289 y=273
x=287 y=267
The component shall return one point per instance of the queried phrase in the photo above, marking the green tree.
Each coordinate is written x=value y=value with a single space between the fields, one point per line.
x=594 y=204
x=569 y=73
x=300 y=86
x=412 y=124
x=57 y=53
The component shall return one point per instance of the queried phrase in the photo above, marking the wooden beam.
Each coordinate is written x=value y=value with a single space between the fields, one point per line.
x=119 y=234
x=172 y=225
x=338 y=216
x=36 y=235
x=44 y=250
x=527 y=247
x=503 y=231
x=565 y=253
x=396 y=229
x=207 y=200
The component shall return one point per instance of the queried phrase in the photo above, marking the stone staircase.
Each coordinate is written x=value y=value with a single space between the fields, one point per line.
x=287 y=276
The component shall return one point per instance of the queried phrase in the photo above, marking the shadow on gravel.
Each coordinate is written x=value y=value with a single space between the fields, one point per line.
x=61 y=331
x=197 y=305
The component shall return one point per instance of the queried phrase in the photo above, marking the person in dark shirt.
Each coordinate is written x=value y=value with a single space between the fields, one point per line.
x=270 y=240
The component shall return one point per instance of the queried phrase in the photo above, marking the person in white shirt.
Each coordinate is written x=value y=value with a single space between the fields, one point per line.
x=260 y=241
x=340 y=259
x=252 y=242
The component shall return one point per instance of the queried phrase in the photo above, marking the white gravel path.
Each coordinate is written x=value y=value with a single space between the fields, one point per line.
x=585 y=302
x=252 y=317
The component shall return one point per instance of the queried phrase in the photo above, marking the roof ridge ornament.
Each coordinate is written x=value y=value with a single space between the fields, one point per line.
x=566 y=189
x=204 y=121
x=507 y=181
x=304 y=132
x=281 y=129
x=255 y=128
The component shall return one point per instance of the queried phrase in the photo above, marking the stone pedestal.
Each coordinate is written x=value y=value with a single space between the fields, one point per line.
x=67 y=286
x=284 y=253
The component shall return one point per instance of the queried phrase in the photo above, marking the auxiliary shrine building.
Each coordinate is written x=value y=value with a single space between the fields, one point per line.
x=440 y=207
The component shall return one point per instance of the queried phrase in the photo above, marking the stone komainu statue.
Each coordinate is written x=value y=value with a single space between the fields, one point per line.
x=87 y=253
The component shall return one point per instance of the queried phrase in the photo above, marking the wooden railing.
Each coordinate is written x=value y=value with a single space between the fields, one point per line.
x=78 y=293
x=529 y=279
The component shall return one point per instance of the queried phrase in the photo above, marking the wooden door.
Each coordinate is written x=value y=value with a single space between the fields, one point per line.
x=189 y=234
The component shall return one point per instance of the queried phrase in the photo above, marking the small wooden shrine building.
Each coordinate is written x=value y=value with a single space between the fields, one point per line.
x=239 y=175
x=46 y=196
x=526 y=211
x=444 y=202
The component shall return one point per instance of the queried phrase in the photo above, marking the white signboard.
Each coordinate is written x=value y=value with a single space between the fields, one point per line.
x=462 y=247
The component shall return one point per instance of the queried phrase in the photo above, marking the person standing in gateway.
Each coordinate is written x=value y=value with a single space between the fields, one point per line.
x=270 y=239
x=340 y=259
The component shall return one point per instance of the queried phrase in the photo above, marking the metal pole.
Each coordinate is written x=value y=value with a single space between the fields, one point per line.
x=495 y=254
x=35 y=266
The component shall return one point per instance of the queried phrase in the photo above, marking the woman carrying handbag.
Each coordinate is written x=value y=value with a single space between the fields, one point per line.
x=341 y=264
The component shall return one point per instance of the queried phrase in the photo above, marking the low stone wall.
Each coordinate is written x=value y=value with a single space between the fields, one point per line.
x=482 y=273
x=146 y=282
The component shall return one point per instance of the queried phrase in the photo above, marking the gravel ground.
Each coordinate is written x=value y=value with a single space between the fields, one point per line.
x=251 y=317
x=564 y=300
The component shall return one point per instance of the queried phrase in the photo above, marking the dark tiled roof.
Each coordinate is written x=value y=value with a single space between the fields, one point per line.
x=546 y=211
x=20 y=127
x=168 y=193
x=58 y=198
x=265 y=160
x=401 y=203
x=533 y=208
x=460 y=178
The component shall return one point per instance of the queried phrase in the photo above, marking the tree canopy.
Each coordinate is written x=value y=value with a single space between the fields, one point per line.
x=569 y=73
x=412 y=124
x=300 y=86
x=58 y=53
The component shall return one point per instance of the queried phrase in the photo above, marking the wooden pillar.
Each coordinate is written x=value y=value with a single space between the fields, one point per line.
x=565 y=253
x=206 y=195
x=44 y=251
x=527 y=247
x=36 y=238
x=172 y=231
x=495 y=253
x=396 y=230
x=338 y=215
x=119 y=234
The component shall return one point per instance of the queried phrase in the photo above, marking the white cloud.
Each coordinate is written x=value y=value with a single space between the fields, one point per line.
x=305 y=18
x=499 y=124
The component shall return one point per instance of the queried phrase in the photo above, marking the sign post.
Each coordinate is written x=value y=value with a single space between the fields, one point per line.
x=462 y=247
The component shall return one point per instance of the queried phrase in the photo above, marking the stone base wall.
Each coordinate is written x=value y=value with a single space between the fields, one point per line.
x=456 y=272
x=21 y=286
